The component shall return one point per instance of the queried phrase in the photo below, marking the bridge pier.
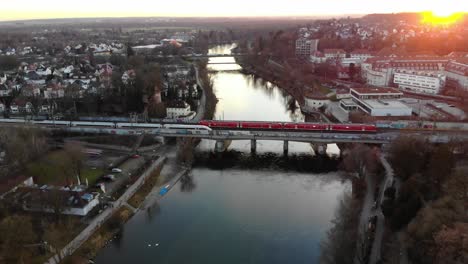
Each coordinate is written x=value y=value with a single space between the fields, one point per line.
x=285 y=147
x=319 y=149
x=219 y=146
x=253 y=145
x=222 y=145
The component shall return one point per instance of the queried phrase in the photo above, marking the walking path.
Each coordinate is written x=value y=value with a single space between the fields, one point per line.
x=380 y=226
x=130 y=207
x=106 y=214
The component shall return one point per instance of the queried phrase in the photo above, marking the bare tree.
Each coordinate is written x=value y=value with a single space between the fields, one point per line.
x=408 y=156
x=360 y=160
x=76 y=157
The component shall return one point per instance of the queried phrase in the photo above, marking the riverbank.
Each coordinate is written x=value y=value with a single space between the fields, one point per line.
x=273 y=77
x=104 y=217
x=209 y=97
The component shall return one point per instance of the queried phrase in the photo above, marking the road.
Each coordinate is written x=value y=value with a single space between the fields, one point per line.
x=128 y=168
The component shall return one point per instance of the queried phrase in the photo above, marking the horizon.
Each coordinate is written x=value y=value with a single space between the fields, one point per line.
x=29 y=10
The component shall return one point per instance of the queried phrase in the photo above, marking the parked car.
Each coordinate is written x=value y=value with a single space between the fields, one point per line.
x=116 y=170
x=136 y=156
x=108 y=177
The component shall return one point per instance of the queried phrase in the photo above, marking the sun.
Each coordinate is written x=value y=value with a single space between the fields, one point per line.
x=441 y=17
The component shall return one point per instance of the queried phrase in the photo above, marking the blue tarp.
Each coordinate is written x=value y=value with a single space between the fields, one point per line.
x=163 y=191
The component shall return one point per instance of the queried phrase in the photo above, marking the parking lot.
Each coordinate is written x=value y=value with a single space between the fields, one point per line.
x=129 y=167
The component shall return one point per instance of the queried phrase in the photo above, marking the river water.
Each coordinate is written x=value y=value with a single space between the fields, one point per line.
x=238 y=207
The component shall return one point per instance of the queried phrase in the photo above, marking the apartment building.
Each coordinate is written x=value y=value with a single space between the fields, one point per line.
x=419 y=82
x=305 y=46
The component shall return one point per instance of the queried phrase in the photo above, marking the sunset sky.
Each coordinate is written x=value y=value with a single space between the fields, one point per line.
x=29 y=9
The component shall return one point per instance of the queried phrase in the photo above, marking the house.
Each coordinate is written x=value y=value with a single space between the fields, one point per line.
x=14 y=109
x=128 y=76
x=23 y=105
x=179 y=110
x=54 y=91
x=49 y=198
x=3 y=78
x=31 y=90
x=5 y=91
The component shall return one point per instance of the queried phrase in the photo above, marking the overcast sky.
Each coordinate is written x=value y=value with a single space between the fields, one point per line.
x=27 y=9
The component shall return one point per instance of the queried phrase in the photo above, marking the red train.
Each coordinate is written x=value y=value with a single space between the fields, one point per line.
x=214 y=124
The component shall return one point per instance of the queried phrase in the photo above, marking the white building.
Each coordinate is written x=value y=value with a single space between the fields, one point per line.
x=379 y=71
x=419 y=82
x=376 y=77
x=334 y=54
x=313 y=101
x=178 y=110
x=380 y=101
x=346 y=62
x=457 y=71
x=305 y=47
x=361 y=54
x=317 y=57
x=75 y=202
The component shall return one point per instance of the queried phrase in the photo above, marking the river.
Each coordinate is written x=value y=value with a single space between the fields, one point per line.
x=238 y=207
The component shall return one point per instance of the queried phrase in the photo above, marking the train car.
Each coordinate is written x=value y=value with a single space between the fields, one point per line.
x=188 y=127
x=93 y=124
x=312 y=127
x=353 y=128
x=213 y=124
x=261 y=125
x=305 y=126
x=138 y=125
x=7 y=120
x=52 y=123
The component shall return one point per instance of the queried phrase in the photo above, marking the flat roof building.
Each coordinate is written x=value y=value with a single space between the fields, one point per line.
x=380 y=101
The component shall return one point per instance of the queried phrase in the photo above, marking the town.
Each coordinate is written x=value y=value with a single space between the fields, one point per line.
x=108 y=121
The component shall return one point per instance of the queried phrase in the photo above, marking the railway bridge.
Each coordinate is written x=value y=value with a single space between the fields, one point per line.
x=224 y=136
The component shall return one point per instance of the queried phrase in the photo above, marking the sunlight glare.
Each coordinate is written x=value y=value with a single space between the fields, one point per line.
x=441 y=17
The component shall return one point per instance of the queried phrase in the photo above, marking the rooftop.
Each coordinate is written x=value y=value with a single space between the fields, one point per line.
x=385 y=104
x=177 y=104
x=365 y=90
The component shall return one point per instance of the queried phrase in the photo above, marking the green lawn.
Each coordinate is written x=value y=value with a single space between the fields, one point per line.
x=50 y=170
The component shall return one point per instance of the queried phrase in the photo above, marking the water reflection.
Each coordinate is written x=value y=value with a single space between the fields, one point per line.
x=187 y=183
x=152 y=211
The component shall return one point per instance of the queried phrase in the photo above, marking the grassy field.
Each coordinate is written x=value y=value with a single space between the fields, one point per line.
x=51 y=170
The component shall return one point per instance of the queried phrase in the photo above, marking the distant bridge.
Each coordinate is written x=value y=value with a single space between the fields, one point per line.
x=204 y=56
